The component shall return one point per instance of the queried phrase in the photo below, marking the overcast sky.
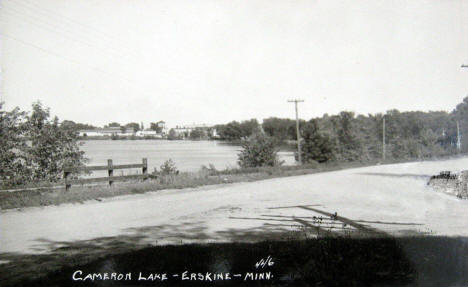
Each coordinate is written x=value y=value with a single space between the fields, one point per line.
x=97 y=61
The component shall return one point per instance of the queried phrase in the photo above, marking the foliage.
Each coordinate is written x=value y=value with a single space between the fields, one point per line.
x=135 y=126
x=168 y=168
x=76 y=126
x=13 y=166
x=235 y=131
x=408 y=135
x=52 y=148
x=209 y=170
x=315 y=147
x=348 y=142
x=259 y=150
x=281 y=129
x=35 y=148
x=173 y=135
x=197 y=134
x=155 y=127
x=113 y=125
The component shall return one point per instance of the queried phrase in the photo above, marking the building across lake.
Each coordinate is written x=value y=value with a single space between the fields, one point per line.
x=157 y=130
x=115 y=131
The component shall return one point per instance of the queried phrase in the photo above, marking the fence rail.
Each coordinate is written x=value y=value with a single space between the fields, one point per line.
x=110 y=171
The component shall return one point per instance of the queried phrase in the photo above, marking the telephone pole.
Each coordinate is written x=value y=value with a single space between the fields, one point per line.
x=295 y=101
x=458 y=125
x=383 y=138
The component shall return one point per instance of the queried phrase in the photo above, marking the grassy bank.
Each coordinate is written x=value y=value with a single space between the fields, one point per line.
x=48 y=195
x=344 y=261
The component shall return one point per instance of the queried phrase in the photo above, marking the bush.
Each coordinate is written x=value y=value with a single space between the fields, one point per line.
x=259 y=150
x=315 y=146
x=13 y=169
x=169 y=168
x=210 y=170
x=35 y=148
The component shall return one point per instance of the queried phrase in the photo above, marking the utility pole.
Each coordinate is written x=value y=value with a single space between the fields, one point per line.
x=383 y=138
x=458 y=125
x=295 y=101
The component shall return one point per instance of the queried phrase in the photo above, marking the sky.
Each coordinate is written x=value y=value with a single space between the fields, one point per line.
x=214 y=61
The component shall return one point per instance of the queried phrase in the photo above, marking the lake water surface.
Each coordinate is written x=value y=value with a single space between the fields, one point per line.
x=187 y=155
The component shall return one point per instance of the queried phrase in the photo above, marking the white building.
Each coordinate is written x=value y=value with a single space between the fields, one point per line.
x=148 y=133
x=111 y=131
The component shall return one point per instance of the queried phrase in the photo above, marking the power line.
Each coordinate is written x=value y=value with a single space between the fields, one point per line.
x=51 y=28
x=61 y=56
x=32 y=5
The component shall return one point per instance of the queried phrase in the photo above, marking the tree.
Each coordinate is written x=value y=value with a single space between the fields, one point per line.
x=35 y=148
x=173 y=135
x=76 y=126
x=249 y=128
x=52 y=147
x=235 y=131
x=349 y=146
x=460 y=114
x=281 y=129
x=114 y=125
x=259 y=150
x=197 y=134
x=231 y=131
x=135 y=126
x=13 y=167
x=155 y=127
x=315 y=146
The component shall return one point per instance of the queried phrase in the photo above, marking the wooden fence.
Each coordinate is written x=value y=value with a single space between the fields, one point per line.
x=110 y=167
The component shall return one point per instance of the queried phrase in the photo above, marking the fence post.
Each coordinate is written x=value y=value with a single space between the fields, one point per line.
x=110 y=170
x=145 y=167
x=66 y=174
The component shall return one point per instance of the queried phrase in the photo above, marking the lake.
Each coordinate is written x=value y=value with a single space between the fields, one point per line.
x=187 y=155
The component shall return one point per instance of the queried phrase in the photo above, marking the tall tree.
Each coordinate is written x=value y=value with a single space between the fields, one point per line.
x=315 y=146
x=349 y=144
x=52 y=147
x=13 y=167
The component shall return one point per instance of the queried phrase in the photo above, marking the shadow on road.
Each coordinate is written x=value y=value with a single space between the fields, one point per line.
x=417 y=176
x=384 y=261
x=324 y=248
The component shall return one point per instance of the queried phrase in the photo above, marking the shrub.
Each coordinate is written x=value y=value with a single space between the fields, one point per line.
x=210 y=170
x=35 y=148
x=259 y=150
x=169 y=168
x=315 y=146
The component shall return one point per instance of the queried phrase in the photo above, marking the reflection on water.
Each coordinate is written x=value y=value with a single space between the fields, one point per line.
x=187 y=155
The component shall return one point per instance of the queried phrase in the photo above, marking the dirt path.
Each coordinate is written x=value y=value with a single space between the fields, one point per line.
x=392 y=199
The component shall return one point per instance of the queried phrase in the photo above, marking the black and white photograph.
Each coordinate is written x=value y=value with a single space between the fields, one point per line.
x=234 y=143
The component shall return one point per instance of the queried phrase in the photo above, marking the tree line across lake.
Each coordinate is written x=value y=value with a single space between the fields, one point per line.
x=34 y=147
x=350 y=137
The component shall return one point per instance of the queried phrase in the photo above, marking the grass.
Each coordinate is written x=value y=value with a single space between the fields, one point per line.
x=48 y=195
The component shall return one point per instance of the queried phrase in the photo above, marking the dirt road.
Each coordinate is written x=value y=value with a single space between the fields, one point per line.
x=388 y=198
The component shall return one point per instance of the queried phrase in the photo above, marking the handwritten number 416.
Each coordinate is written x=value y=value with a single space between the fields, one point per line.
x=265 y=262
